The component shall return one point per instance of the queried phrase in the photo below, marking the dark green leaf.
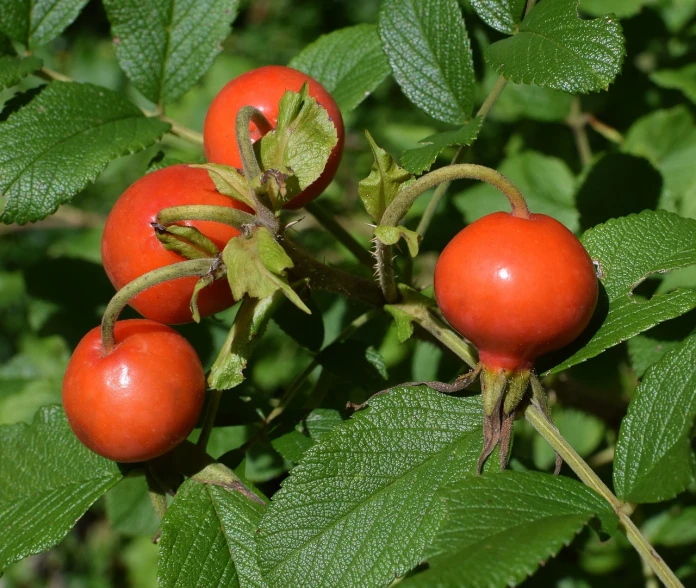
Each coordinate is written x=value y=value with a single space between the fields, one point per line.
x=385 y=181
x=628 y=250
x=292 y=446
x=208 y=539
x=621 y=8
x=36 y=22
x=501 y=526
x=429 y=52
x=502 y=15
x=48 y=479
x=420 y=159
x=166 y=46
x=348 y=62
x=546 y=182
x=308 y=331
x=683 y=79
x=356 y=362
x=14 y=69
x=653 y=454
x=672 y=528
x=555 y=49
x=129 y=508
x=519 y=101
x=62 y=140
x=376 y=476
x=617 y=185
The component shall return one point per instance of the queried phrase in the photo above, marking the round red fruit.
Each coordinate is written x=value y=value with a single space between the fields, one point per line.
x=263 y=88
x=139 y=400
x=130 y=247
x=516 y=287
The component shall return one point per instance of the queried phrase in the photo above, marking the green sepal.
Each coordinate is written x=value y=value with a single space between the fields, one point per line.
x=390 y=236
x=205 y=281
x=517 y=383
x=385 y=181
x=257 y=266
x=229 y=182
x=294 y=154
x=187 y=241
x=249 y=325
x=493 y=382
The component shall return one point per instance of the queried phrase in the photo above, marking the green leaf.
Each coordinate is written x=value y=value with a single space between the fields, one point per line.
x=672 y=528
x=420 y=159
x=385 y=181
x=683 y=79
x=256 y=266
x=48 y=479
x=667 y=138
x=348 y=62
x=229 y=181
x=356 y=362
x=390 y=236
x=361 y=507
x=403 y=322
x=129 y=508
x=321 y=422
x=501 y=526
x=249 y=325
x=300 y=144
x=628 y=250
x=653 y=460
x=308 y=331
x=14 y=69
x=502 y=15
x=581 y=430
x=62 y=140
x=36 y=22
x=547 y=183
x=292 y=446
x=429 y=52
x=617 y=185
x=620 y=8
x=556 y=49
x=165 y=46
x=208 y=539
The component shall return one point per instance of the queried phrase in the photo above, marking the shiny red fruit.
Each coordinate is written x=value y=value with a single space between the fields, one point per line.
x=263 y=88
x=138 y=401
x=516 y=287
x=130 y=247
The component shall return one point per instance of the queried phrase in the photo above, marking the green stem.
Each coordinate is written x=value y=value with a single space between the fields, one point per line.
x=221 y=214
x=329 y=222
x=183 y=269
x=577 y=123
x=530 y=5
x=546 y=429
x=425 y=318
x=209 y=418
x=385 y=271
x=461 y=171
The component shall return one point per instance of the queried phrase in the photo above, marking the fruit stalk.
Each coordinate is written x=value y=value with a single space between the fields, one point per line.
x=183 y=269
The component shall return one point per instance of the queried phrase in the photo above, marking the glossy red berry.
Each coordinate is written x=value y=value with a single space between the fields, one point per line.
x=130 y=247
x=263 y=88
x=516 y=287
x=138 y=401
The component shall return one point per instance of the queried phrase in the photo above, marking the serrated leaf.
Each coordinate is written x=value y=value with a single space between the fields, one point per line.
x=36 y=22
x=208 y=539
x=48 y=479
x=630 y=249
x=501 y=526
x=653 y=459
x=249 y=324
x=62 y=140
x=420 y=159
x=256 y=265
x=390 y=236
x=547 y=183
x=385 y=181
x=683 y=79
x=165 y=46
x=502 y=15
x=556 y=49
x=129 y=508
x=429 y=52
x=229 y=181
x=377 y=476
x=667 y=138
x=300 y=144
x=617 y=185
x=348 y=62
x=621 y=8
x=14 y=69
